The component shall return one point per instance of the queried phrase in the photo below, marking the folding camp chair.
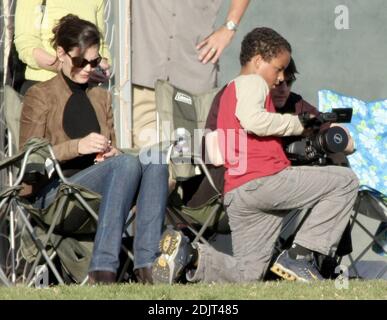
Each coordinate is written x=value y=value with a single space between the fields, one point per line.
x=372 y=204
x=13 y=208
x=64 y=230
x=180 y=111
x=44 y=230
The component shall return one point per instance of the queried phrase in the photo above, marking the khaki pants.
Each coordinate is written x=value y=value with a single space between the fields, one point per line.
x=255 y=216
x=144 y=116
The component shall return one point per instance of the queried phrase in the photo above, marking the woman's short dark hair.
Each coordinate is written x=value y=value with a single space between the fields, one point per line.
x=265 y=42
x=71 y=32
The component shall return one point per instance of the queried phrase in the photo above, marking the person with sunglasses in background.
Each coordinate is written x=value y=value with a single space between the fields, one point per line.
x=287 y=101
x=77 y=120
x=34 y=20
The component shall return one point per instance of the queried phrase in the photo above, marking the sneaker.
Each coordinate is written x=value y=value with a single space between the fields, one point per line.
x=300 y=269
x=176 y=253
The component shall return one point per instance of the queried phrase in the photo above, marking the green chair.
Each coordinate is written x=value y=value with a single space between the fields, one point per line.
x=182 y=116
x=58 y=238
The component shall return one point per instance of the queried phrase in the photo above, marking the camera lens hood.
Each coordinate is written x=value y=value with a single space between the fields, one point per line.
x=334 y=140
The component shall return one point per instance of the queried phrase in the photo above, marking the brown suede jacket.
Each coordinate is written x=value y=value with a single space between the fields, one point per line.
x=42 y=115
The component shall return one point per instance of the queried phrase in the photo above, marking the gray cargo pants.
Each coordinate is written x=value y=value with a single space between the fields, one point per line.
x=255 y=220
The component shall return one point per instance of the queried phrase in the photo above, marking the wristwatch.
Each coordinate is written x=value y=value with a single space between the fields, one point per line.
x=231 y=25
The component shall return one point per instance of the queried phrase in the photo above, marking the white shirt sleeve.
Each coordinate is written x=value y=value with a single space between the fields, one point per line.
x=252 y=91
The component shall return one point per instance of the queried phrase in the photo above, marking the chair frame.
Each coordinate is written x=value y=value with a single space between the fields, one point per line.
x=13 y=199
x=11 y=203
x=197 y=161
x=180 y=216
x=354 y=220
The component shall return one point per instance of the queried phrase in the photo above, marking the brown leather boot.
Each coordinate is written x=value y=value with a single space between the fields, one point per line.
x=101 y=277
x=144 y=275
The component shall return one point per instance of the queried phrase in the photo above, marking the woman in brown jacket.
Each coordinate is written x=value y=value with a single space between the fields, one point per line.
x=78 y=121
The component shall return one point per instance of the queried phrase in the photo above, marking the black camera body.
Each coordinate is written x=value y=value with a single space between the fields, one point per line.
x=314 y=149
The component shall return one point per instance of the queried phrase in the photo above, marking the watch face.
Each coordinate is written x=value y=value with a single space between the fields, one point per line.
x=231 y=25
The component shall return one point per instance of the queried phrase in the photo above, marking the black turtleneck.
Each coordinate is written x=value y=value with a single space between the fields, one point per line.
x=79 y=119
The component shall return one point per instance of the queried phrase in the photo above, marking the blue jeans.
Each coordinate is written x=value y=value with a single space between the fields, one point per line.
x=120 y=181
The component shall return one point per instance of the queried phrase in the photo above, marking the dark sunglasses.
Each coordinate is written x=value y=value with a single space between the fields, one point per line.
x=79 y=62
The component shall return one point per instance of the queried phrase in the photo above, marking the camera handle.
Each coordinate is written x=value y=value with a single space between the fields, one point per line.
x=309 y=121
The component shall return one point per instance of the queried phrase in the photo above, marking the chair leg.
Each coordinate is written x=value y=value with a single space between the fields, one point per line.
x=6 y=207
x=175 y=213
x=374 y=240
x=34 y=273
x=124 y=269
x=4 y=279
x=352 y=224
x=206 y=223
x=39 y=245
x=48 y=234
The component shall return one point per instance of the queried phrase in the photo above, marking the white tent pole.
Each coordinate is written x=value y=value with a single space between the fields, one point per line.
x=122 y=90
x=7 y=35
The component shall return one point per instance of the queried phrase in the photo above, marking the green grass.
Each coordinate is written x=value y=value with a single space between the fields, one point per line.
x=358 y=290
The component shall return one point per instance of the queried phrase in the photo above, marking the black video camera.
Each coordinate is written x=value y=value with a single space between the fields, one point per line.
x=314 y=149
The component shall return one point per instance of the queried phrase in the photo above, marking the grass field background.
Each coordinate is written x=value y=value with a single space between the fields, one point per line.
x=273 y=290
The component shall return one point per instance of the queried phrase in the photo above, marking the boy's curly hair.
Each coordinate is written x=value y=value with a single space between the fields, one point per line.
x=265 y=42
